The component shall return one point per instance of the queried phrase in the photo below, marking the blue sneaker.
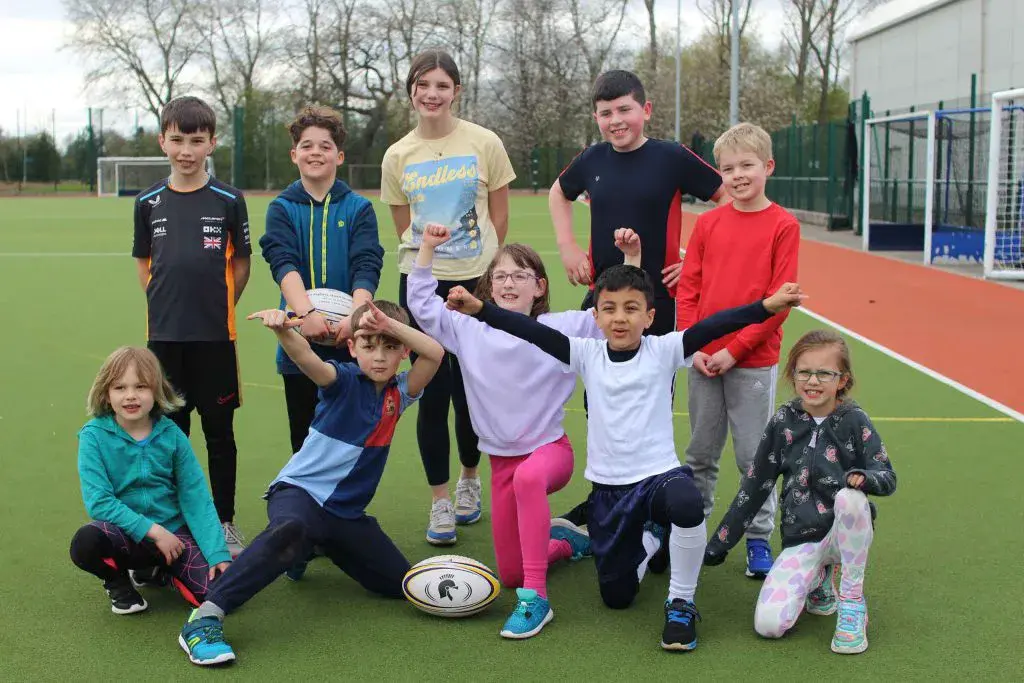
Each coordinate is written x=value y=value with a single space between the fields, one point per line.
x=851 y=636
x=680 y=631
x=564 y=530
x=532 y=613
x=759 y=558
x=203 y=640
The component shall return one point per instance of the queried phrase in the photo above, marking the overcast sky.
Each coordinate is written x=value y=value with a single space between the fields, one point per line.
x=39 y=81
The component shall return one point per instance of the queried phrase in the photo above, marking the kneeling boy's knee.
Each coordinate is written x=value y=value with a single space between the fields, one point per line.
x=686 y=506
x=618 y=594
x=287 y=538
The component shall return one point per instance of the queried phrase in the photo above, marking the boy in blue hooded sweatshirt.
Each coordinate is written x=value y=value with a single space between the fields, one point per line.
x=319 y=233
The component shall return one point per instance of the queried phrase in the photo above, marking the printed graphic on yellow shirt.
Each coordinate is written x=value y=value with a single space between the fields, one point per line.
x=444 y=191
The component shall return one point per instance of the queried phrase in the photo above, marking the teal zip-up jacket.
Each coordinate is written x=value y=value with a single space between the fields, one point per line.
x=333 y=244
x=135 y=484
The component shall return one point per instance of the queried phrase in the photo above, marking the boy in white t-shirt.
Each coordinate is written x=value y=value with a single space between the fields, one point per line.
x=631 y=455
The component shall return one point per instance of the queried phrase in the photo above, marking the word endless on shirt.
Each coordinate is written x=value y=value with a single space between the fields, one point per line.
x=190 y=239
x=447 y=181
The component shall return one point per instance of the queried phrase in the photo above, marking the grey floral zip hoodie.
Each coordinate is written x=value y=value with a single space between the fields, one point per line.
x=814 y=461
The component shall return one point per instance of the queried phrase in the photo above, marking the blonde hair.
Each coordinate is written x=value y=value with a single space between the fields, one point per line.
x=148 y=369
x=816 y=339
x=745 y=137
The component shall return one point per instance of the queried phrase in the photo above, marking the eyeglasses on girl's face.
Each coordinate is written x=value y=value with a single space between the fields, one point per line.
x=520 y=277
x=823 y=376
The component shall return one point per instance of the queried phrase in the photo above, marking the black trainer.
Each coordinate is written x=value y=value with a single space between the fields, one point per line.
x=680 y=625
x=124 y=599
x=150 y=577
x=578 y=515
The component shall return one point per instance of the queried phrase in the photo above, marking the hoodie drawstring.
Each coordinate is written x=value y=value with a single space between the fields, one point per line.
x=323 y=244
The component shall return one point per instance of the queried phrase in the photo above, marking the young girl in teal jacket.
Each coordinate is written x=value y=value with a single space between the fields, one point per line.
x=143 y=488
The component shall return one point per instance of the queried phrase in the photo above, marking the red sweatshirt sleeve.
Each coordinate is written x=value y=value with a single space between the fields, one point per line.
x=785 y=255
x=688 y=288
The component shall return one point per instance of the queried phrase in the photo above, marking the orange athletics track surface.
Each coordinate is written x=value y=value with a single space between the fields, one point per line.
x=967 y=329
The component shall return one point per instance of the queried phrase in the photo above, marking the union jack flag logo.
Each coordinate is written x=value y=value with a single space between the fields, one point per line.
x=211 y=242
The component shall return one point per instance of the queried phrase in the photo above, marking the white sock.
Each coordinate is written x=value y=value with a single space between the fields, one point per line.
x=686 y=555
x=651 y=544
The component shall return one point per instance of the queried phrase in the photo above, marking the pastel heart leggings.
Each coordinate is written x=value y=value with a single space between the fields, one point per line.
x=800 y=569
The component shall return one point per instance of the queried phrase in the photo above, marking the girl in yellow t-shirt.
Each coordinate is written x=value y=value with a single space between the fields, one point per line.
x=449 y=171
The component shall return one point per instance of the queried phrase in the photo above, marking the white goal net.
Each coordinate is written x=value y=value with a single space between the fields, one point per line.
x=1004 y=258
x=127 y=176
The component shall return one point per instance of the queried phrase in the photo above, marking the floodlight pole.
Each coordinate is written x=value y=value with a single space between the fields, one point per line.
x=679 y=67
x=734 y=70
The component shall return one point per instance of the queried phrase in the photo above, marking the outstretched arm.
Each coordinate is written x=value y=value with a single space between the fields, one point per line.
x=548 y=340
x=732 y=319
x=296 y=346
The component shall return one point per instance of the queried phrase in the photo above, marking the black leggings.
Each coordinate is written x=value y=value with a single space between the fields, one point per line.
x=432 y=420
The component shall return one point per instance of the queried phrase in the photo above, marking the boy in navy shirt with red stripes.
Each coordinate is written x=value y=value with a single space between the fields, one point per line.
x=632 y=181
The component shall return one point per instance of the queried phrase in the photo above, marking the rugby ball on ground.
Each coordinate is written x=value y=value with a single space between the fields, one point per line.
x=451 y=586
x=332 y=304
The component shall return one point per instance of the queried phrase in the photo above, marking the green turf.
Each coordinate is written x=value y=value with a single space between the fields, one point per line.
x=942 y=587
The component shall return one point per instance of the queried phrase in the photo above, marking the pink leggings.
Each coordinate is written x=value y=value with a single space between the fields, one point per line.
x=521 y=516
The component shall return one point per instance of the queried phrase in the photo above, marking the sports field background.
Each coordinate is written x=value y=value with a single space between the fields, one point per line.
x=943 y=583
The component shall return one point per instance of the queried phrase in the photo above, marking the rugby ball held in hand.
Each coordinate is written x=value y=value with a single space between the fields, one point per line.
x=451 y=586
x=333 y=305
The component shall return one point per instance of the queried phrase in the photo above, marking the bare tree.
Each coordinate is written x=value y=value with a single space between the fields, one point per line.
x=466 y=25
x=719 y=15
x=836 y=17
x=596 y=25
x=652 y=62
x=803 y=24
x=238 y=39
x=150 y=40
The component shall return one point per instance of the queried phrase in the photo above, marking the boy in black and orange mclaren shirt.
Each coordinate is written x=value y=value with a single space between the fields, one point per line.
x=192 y=251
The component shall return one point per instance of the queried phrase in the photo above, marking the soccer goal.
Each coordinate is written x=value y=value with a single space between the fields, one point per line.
x=1004 y=213
x=127 y=176
x=925 y=175
x=897 y=176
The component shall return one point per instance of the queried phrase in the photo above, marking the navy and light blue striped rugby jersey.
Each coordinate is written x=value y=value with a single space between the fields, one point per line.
x=342 y=459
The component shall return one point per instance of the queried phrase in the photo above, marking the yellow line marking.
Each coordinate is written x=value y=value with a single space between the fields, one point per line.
x=969 y=420
x=890 y=419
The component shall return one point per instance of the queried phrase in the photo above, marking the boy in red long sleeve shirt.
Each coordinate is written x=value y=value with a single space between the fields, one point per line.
x=738 y=252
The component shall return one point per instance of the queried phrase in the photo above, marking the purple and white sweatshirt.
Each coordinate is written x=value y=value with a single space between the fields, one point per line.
x=516 y=392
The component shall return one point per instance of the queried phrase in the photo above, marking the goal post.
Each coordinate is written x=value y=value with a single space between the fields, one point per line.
x=127 y=176
x=1004 y=205
x=898 y=176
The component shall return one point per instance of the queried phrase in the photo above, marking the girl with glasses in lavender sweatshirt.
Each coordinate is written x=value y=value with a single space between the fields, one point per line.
x=517 y=406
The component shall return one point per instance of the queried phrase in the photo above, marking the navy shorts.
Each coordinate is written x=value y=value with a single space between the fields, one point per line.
x=618 y=513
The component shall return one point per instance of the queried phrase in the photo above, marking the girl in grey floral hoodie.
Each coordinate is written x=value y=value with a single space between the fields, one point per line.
x=830 y=457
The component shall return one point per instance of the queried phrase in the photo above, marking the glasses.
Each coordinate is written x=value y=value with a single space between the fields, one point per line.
x=520 y=277
x=823 y=376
